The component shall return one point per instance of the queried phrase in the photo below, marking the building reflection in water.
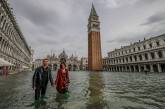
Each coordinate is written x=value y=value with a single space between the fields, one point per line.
x=96 y=87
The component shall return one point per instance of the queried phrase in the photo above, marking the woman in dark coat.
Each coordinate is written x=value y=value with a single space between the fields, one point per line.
x=62 y=79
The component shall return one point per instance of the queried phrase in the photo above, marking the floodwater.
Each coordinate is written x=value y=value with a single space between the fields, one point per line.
x=89 y=90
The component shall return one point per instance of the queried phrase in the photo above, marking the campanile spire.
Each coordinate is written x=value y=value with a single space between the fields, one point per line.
x=94 y=42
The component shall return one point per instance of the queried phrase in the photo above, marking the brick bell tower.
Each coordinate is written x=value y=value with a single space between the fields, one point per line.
x=94 y=42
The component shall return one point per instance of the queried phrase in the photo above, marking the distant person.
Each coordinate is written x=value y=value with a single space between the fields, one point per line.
x=41 y=77
x=62 y=79
x=5 y=71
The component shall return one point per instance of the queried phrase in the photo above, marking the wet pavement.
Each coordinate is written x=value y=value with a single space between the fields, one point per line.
x=88 y=90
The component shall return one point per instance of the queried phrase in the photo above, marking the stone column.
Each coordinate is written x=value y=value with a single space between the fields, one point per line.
x=115 y=68
x=149 y=56
x=133 y=59
x=1 y=23
x=134 y=68
x=145 y=67
x=129 y=59
x=143 y=57
x=151 y=68
x=121 y=69
x=139 y=68
x=4 y=25
x=124 y=60
x=159 y=68
x=156 y=55
x=121 y=60
x=163 y=52
x=130 y=69
x=138 y=59
x=124 y=68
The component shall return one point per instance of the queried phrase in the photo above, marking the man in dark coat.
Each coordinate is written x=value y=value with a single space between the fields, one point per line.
x=40 y=80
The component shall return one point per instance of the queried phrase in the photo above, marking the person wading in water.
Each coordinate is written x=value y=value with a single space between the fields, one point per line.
x=62 y=79
x=40 y=80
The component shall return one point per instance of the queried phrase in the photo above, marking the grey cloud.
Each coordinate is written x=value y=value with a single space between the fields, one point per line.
x=56 y=24
x=35 y=12
x=47 y=41
x=129 y=38
x=146 y=2
x=135 y=37
x=156 y=18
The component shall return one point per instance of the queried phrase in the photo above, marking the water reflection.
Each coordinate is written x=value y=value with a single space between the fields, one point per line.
x=89 y=90
x=96 y=86
x=61 y=99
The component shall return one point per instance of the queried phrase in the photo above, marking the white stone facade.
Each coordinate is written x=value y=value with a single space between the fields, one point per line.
x=147 y=55
x=84 y=63
x=13 y=46
x=72 y=62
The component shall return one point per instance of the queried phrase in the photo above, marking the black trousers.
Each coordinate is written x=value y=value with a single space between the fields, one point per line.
x=40 y=92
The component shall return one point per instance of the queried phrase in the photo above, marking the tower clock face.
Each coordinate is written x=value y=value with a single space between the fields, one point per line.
x=95 y=26
x=94 y=18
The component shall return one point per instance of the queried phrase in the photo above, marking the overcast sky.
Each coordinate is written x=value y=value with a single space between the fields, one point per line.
x=62 y=24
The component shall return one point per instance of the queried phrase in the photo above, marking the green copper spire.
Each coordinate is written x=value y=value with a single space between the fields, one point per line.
x=93 y=11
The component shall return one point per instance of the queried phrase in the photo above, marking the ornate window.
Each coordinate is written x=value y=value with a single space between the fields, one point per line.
x=0 y=39
x=131 y=58
x=139 y=48
x=152 y=55
x=150 y=45
x=126 y=59
x=140 y=57
x=160 y=54
x=146 y=56
x=157 y=43
x=135 y=57
x=126 y=51
x=144 y=46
